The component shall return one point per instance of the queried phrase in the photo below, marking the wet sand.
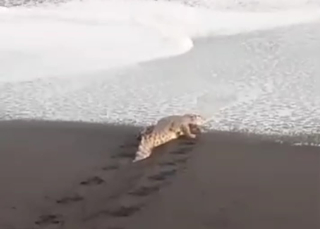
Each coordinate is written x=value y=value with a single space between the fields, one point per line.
x=79 y=176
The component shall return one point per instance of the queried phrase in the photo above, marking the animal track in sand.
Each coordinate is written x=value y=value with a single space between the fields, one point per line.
x=50 y=219
x=95 y=180
x=70 y=199
x=122 y=211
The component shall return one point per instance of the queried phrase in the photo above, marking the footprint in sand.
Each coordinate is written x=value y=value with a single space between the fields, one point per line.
x=145 y=189
x=92 y=181
x=121 y=211
x=70 y=199
x=48 y=220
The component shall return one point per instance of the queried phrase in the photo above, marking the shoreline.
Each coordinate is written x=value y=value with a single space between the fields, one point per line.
x=292 y=138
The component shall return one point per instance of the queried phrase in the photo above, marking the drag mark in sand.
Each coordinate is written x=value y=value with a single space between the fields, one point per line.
x=154 y=174
x=123 y=187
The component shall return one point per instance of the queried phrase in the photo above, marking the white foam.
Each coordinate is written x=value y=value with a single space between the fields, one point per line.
x=306 y=144
x=84 y=36
x=253 y=5
x=56 y=63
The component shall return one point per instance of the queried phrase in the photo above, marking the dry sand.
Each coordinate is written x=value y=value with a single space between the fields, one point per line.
x=79 y=176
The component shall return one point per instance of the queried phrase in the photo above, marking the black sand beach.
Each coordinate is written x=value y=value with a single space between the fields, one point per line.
x=79 y=176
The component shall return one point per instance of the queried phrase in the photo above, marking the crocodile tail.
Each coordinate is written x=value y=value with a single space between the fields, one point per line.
x=144 y=150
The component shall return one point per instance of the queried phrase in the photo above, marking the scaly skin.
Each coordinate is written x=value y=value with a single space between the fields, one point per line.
x=165 y=130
